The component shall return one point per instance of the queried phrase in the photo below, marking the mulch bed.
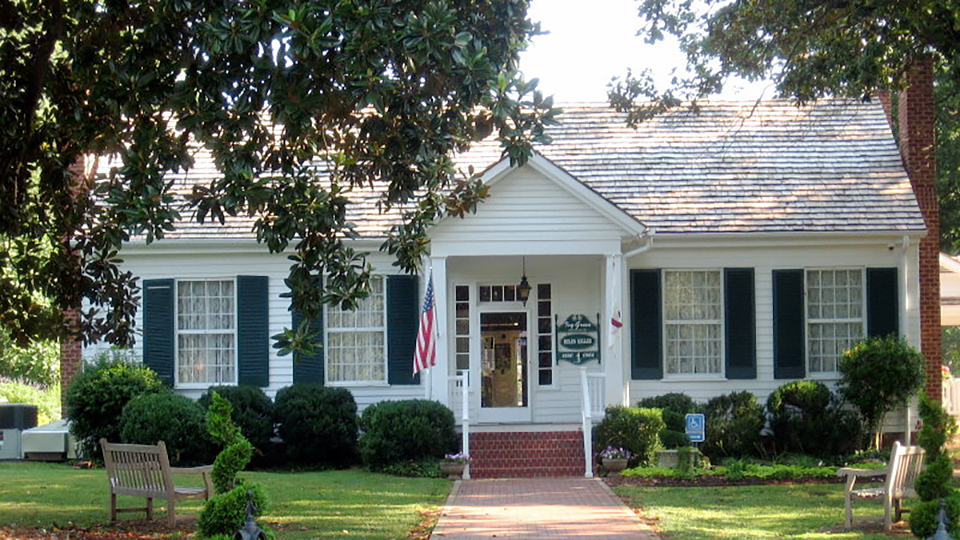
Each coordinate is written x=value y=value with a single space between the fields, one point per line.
x=122 y=530
x=616 y=480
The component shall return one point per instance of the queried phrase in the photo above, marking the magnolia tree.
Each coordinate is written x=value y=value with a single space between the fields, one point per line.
x=298 y=102
x=878 y=375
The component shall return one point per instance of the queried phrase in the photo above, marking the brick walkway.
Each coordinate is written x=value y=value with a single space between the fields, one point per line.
x=517 y=508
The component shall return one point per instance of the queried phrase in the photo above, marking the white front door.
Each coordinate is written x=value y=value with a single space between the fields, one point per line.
x=504 y=372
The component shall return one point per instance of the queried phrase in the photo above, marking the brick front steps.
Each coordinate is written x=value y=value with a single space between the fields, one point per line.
x=526 y=454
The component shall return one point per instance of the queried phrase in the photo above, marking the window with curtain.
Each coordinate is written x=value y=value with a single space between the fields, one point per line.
x=206 y=332
x=355 y=348
x=835 y=321
x=693 y=322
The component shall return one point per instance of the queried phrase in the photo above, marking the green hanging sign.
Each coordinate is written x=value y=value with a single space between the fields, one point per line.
x=577 y=339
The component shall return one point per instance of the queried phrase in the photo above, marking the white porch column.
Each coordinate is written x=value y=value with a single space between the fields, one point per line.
x=440 y=378
x=612 y=356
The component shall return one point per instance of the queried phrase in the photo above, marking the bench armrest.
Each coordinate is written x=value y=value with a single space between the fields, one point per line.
x=850 y=471
x=206 y=469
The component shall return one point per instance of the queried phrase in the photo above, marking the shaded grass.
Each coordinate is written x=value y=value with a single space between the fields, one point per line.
x=803 y=511
x=353 y=503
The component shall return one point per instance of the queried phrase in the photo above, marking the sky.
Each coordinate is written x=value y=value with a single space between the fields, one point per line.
x=590 y=41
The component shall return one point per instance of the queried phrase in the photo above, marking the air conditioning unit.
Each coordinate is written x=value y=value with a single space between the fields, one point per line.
x=14 y=418
x=50 y=442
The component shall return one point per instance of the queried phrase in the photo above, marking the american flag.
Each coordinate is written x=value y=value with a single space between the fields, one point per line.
x=426 y=354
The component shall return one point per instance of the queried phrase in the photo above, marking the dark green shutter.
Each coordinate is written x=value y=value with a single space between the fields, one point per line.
x=883 y=302
x=645 y=318
x=158 y=323
x=788 y=331
x=741 y=325
x=403 y=319
x=309 y=369
x=253 y=333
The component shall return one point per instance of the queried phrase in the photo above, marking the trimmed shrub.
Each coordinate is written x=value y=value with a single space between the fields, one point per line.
x=923 y=517
x=318 y=424
x=807 y=418
x=633 y=428
x=252 y=412
x=226 y=513
x=174 y=419
x=935 y=482
x=734 y=422
x=675 y=408
x=879 y=375
x=404 y=431
x=97 y=396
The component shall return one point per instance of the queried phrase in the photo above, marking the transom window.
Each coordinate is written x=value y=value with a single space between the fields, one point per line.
x=206 y=332
x=834 y=315
x=693 y=321
x=356 y=340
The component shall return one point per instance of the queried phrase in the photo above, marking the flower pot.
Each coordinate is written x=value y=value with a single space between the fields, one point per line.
x=452 y=469
x=614 y=465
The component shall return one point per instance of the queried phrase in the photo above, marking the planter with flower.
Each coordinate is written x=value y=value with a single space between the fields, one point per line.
x=614 y=458
x=453 y=465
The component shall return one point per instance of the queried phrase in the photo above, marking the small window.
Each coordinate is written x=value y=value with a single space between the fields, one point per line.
x=462 y=295
x=544 y=336
x=693 y=321
x=356 y=349
x=835 y=320
x=206 y=332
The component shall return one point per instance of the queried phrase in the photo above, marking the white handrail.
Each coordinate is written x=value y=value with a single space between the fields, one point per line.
x=590 y=406
x=461 y=382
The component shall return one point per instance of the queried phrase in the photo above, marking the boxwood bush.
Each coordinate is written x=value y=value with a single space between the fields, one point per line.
x=318 y=424
x=676 y=406
x=176 y=420
x=734 y=422
x=96 y=398
x=406 y=431
x=633 y=428
x=252 y=412
x=807 y=418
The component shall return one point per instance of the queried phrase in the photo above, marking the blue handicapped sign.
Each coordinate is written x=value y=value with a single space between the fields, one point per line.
x=695 y=427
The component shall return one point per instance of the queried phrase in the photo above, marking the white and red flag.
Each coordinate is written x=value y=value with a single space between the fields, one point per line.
x=426 y=354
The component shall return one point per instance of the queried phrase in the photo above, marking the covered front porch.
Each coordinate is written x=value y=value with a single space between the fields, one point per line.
x=528 y=296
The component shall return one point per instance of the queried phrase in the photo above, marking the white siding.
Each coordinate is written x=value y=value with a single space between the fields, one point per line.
x=158 y=264
x=765 y=259
x=527 y=212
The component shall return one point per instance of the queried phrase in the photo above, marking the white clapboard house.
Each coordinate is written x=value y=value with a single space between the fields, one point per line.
x=740 y=248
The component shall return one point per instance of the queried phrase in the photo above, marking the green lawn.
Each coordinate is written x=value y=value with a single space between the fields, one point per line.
x=346 y=504
x=803 y=511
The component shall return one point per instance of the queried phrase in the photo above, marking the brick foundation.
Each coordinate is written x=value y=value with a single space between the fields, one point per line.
x=917 y=115
x=526 y=454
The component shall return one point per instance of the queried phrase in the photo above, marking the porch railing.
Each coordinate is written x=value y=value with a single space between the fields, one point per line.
x=951 y=396
x=460 y=402
x=591 y=407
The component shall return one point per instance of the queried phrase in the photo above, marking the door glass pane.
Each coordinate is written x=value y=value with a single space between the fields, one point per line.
x=503 y=359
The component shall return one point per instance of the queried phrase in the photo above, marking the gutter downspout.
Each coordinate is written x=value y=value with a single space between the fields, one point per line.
x=648 y=236
x=904 y=264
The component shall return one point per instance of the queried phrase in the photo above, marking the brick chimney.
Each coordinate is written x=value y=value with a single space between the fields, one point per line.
x=917 y=115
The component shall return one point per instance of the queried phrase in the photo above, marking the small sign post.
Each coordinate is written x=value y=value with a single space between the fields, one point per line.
x=696 y=427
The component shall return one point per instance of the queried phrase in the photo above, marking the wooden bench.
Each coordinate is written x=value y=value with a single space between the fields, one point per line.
x=902 y=470
x=143 y=470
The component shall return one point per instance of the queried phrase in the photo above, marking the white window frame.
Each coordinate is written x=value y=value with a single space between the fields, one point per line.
x=328 y=329
x=666 y=322
x=807 y=321
x=177 y=332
